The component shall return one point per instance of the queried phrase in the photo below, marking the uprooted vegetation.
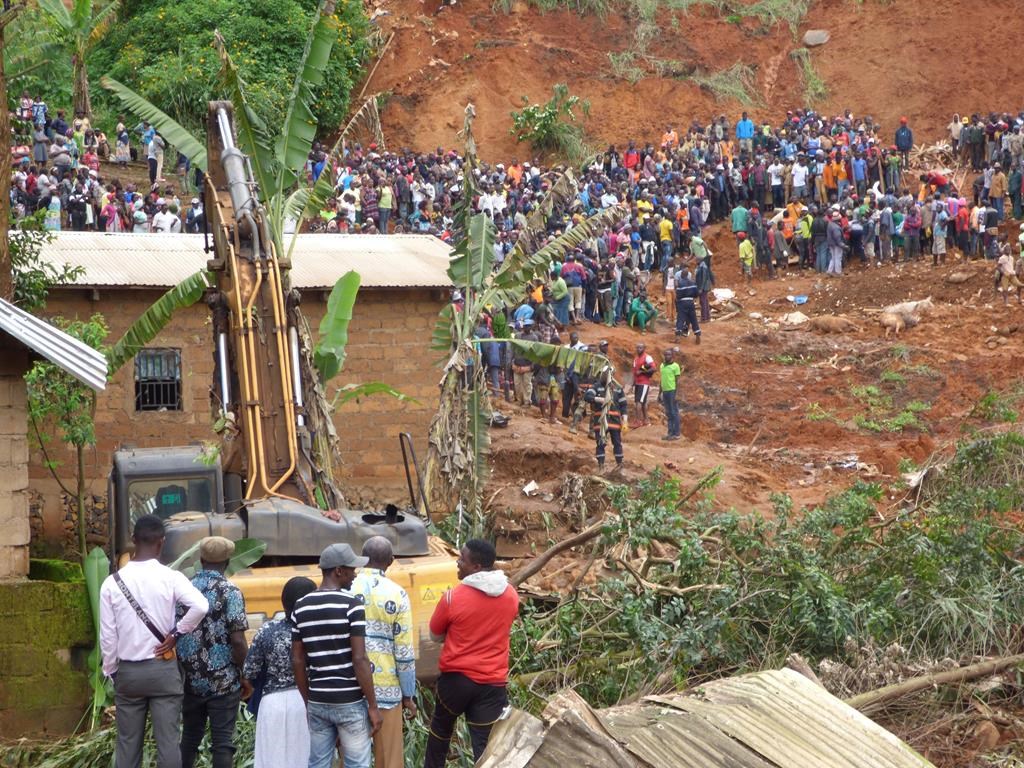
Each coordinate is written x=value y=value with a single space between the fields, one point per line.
x=687 y=592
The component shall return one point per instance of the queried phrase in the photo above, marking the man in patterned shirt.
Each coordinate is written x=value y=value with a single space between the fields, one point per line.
x=212 y=658
x=389 y=645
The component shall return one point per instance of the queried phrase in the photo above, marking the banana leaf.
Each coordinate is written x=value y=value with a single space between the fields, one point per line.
x=59 y=14
x=169 y=128
x=300 y=123
x=247 y=552
x=587 y=364
x=479 y=428
x=156 y=317
x=441 y=338
x=473 y=258
x=97 y=568
x=101 y=22
x=253 y=137
x=350 y=392
x=520 y=268
x=329 y=355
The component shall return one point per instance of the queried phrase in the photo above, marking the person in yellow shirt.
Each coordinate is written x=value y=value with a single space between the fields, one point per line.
x=389 y=647
x=644 y=205
x=665 y=236
x=747 y=253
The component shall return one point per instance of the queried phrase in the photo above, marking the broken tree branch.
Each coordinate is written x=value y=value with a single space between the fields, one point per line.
x=543 y=559
x=889 y=693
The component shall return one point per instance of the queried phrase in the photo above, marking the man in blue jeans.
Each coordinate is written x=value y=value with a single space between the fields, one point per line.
x=332 y=671
x=670 y=372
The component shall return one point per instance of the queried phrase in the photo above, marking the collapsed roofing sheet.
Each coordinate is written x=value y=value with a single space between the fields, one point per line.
x=775 y=719
x=164 y=260
x=74 y=356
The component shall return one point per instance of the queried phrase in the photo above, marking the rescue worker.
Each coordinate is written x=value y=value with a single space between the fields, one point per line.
x=608 y=416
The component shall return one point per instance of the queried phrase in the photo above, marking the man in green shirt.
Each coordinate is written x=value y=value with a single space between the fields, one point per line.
x=642 y=312
x=670 y=373
x=739 y=218
x=559 y=298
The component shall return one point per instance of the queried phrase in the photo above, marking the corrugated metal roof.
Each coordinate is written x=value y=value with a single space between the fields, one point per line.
x=762 y=720
x=77 y=358
x=164 y=260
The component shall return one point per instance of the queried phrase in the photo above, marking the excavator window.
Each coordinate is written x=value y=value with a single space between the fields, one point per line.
x=168 y=496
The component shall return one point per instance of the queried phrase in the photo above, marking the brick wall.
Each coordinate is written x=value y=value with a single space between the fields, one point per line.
x=14 y=517
x=389 y=340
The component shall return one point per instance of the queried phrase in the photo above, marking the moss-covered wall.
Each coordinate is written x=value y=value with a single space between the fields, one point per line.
x=45 y=635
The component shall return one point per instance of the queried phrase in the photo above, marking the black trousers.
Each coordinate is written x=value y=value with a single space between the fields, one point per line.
x=568 y=395
x=458 y=695
x=615 y=436
x=686 y=316
x=221 y=711
x=152 y=169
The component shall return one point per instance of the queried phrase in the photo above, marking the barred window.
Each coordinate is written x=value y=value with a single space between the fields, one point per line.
x=158 y=380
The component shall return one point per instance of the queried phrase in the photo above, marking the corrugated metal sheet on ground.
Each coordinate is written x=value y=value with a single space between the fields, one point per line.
x=763 y=720
x=77 y=358
x=164 y=260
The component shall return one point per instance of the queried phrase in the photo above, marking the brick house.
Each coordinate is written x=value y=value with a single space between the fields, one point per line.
x=163 y=399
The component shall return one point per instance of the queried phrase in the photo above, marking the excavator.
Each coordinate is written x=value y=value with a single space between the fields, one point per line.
x=264 y=482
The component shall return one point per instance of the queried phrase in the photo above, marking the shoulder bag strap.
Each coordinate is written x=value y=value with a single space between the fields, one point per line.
x=138 y=608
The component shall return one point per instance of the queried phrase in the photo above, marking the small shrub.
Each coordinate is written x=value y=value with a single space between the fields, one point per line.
x=552 y=127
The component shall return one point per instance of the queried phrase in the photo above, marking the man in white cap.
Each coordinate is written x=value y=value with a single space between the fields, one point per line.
x=332 y=671
x=194 y=218
x=212 y=656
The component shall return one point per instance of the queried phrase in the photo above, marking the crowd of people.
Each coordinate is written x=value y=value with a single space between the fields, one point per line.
x=336 y=672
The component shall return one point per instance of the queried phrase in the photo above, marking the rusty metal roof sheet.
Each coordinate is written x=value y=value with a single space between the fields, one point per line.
x=74 y=356
x=763 y=720
x=164 y=260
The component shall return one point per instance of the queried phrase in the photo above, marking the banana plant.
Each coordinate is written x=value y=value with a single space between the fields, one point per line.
x=456 y=464
x=78 y=25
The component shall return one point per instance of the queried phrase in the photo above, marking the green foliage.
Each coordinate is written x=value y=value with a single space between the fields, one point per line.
x=169 y=128
x=356 y=392
x=552 y=127
x=997 y=407
x=879 y=415
x=815 y=89
x=329 y=355
x=737 y=592
x=97 y=568
x=62 y=406
x=58 y=397
x=247 y=552
x=162 y=50
x=736 y=83
x=155 y=318
x=893 y=377
x=33 y=276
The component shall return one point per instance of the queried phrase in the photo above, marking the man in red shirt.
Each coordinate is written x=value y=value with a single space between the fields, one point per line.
x=643 y=370
x=474 y=621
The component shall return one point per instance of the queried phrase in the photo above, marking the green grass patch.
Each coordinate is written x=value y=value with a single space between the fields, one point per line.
x=815 y=89
x=997 y=407
x=893 y=377
x=733 y=84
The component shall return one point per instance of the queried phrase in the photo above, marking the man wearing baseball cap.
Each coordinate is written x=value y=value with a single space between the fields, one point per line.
x=212 y=656
x=332 y=671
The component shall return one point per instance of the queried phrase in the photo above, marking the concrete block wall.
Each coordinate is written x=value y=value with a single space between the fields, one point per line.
x=15 y=531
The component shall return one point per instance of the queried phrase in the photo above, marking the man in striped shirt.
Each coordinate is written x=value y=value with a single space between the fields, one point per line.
x=331 y=668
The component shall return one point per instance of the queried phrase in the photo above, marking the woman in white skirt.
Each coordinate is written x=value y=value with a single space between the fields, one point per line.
x=282 y=733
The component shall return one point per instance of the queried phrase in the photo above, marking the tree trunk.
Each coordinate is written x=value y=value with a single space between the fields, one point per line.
x=6 y=278
x=81 y=101
x=80 y=493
